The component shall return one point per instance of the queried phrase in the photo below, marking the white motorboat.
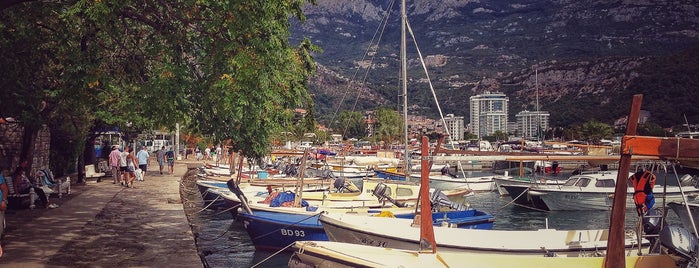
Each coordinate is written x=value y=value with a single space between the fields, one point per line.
x=590 y=191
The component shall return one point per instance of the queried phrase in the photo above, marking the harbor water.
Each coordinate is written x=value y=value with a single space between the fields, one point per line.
x=223 y=242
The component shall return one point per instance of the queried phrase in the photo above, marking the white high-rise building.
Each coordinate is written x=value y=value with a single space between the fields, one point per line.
x=455 y=126
x=529 y=123
x=489 y=113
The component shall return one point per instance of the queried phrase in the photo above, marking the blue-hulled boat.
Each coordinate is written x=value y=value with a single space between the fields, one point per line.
x=390 y=175
x=277 y=230
x=466 y=219
x=275 y=227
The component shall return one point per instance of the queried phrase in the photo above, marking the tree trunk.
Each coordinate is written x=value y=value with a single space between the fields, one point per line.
x=81 y=168
x=28 y=147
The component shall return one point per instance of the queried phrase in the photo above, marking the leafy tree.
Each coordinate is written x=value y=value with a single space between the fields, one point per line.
x=573 y=132
x=351 y=124
x=389 y=126
x=651 y=129
x=500 y=135
x=226 y=68
x=470 y=136
x=594 y=131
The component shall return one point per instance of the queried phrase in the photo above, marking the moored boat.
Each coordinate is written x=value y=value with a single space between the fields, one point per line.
x=591 y=191
x=403 y=234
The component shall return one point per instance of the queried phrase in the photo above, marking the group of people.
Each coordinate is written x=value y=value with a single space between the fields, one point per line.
x=22 y=185
x=127 y=167
x=209 y=153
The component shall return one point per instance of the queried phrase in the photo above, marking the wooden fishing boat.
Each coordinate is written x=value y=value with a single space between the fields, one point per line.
x=400 y=233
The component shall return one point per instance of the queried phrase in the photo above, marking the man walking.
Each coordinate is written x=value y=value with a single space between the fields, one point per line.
x=161 y=158
x=143 y=159
x=114 y=159
x=170 y=160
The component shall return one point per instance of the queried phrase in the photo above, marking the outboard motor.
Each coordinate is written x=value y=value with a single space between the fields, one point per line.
x=447 y=170
x=383 y=192
x=687 y=180
x=651 y=224
x=439 y=199
x=344 y=186
x=680 y=242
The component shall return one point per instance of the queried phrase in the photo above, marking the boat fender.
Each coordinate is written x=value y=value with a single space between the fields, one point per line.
x=643 y=183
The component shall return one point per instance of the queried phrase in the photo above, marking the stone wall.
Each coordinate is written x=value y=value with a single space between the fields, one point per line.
x=11 y=146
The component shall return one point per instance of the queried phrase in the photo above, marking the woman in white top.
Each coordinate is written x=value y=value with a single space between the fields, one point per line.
x=122 y=166
x=130 y=167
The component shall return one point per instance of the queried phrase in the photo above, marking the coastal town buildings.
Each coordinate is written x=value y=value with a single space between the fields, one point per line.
x=455 y=126
x=532 y=124
x=489 y=113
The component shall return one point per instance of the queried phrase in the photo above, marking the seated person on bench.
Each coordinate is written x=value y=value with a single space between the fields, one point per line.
x=23 y=184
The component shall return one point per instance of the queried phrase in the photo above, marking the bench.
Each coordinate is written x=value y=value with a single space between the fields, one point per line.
x=91 y=173
x=45 y=180
x=15 y=199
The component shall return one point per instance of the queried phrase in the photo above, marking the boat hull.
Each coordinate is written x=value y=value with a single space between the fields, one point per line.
x=275 y=231
x=570 y=200
x=371 y=231
x=476 y=184
x=388 y=175
x=334 y=254
x=520 y=196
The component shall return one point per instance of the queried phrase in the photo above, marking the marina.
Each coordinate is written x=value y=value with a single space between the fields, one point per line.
x=223 y=242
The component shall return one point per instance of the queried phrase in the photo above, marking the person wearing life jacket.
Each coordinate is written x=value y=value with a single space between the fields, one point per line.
x=643 y=183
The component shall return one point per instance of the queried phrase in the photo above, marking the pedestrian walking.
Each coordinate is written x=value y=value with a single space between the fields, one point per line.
x=114 y=164
x=161 y=158
x=143 y=161
x=170 y=160
x=123 y=165
x=131 y=162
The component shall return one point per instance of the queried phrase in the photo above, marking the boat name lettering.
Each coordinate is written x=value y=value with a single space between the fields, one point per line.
x=371 y=242
x=289 y=232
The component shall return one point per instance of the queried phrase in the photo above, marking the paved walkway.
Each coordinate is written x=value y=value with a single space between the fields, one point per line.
x=105 y=225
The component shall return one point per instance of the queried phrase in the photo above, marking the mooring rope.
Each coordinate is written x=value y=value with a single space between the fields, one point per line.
x=273 y=254
x=513 y=200
x=219 y=236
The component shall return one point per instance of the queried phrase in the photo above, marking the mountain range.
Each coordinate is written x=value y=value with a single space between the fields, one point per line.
x=584 y=58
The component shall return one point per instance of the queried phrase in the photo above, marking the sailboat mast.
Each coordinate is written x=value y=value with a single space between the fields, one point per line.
x=404 y=83
x=538 y=113
x=615 y=243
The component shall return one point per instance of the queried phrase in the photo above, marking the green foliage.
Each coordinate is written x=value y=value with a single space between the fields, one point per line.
x=350 y=124
x=593 y=131
x=222 y=68
x=389 y=126
x=651 y=129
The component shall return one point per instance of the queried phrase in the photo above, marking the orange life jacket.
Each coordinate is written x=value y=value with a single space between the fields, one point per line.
x=643 y=183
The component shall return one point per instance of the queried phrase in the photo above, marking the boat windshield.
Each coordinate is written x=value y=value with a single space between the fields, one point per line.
x=580 y=182
x=605 y=183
